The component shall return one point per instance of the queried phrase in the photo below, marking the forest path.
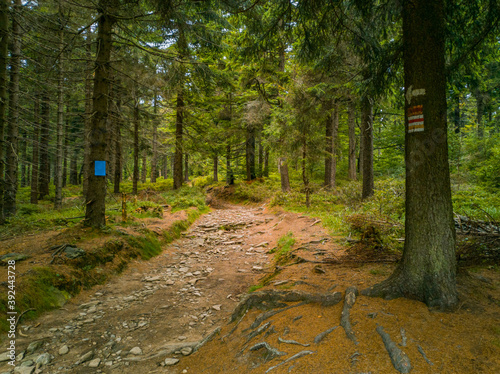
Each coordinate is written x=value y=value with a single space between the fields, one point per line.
x=136 y=320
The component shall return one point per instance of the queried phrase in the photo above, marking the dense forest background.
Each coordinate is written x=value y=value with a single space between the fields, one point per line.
x=305 y=94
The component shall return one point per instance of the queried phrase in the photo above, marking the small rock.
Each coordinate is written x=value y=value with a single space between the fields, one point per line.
x=186 y=351
x=136 y=351
x=63 y=350
x=43 y=359
x=92 y=309
x=34 y=346
x=4 y=357
x=171 y=361
x=184 y=270
x=182 y=337
x=170 y=282
x=73 y=252
x=13 y=257
x=216 y=307
x=24 y=369
x=27 y=363
x=257 y=268
x=95 y=363
x=86 y=357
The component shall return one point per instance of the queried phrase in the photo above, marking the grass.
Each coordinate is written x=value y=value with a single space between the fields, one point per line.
x=283 y=249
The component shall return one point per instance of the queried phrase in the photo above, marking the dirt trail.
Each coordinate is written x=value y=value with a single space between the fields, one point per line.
x=173 y=300
x=155 y=315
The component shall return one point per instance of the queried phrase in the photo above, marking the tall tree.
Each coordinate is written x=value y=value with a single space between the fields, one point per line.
x=367 y=145
x=12 y=158
x=4 y=43
x=96 y=193
x=352 y=140
x=427 y=271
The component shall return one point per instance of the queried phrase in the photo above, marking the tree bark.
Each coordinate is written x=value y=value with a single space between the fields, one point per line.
x=4 y=55
x=332 y=126
x=35 y=148
x=12 y=159
x=285 y=182
x=144 y=167
x=88 y=114
x=65 y=149
x=117 y=177
x=23 y=151
x=135 y=175
x=95 y=214
x=352 y=141
x=260 y=173
x=178 y=141
x=479 y=112
x=266 y=162
x=367 y=155
x=186 y=168
x=250 y=153
x=427 y=271
x=44 y=175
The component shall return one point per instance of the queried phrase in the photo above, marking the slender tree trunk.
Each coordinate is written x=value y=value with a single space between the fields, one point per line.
x=332 y=126
x=95 y=214
x=456 y=114
x=305 y=178
x=144 y=167
x=178 y=141
x=23 y=151
x=73 y=167
x=266 y=162
x=427 y=271
x=165 y=165
x=367 y=156
x=216 y=168
x=250 y=153
x=13 y=124
x=60 y=119
x=35 y=147
x=117 y=177
x=111 y=126
x=352 y=141
x=4 y=55
x=44 y=175
x=88 y=114
x=135 y=177
x=229 y=170
x=154 y=157
x=261 y=158
x=66 y=150
x=186 y=168
x=479 y=112
x=285 y=182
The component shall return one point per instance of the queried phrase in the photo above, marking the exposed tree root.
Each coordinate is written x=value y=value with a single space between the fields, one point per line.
x=421 y=350
x=294 y=357
x=269 y=298
x=271 y=352
x=399 y=359
x=323 y=334
x=292 y=342
x=349 y=300
x=262 y=317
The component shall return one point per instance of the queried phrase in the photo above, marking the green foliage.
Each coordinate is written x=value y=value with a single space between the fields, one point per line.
x=283 y=249
x=148 y=245
x=185 y=197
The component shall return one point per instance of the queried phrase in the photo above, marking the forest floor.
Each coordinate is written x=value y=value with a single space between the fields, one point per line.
x=157 y=315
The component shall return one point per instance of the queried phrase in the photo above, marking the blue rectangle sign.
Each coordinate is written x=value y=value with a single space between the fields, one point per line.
x=100 y=168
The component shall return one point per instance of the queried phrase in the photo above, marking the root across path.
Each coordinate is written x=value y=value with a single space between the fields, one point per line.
x=189 y=310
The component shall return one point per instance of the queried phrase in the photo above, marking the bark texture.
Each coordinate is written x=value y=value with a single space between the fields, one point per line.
x=34 y=153
x=367 y=155
x=4 y=53
x=250 y=153
x=352 y=141
x=178 y=141
x=285 y=181
x=44 y=175
x=427 y=271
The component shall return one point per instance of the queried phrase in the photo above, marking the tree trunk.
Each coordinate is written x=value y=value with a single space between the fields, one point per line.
x=305 y=178
x=154 y=158
x=11 y=158
x=367 y=155
x=352 y=141
x=4 y=55
x=135 y=176
x=332 y=126
x=66 y=149
x=117 y=177
x=44 y=175
x=427 y=271
x=285 y=182
x=178 y=141
x=144 y=167
x=23 y=151
x=479 y=112
x=456 y=114
x=186 y=168
x=88 y=114
x=95 y=214
x=35 y=147
x=250 y=153
x=229 y=170
x=60 y=119
x=266 y=162
x=216 y=168
x=261 y=158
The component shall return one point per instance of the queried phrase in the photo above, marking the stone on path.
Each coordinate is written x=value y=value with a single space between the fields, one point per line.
x=63 y=350
x=136 y=351
x=95 y=363
x=171 y=361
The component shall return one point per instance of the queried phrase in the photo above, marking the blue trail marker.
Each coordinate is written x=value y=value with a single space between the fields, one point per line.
x=100 y=168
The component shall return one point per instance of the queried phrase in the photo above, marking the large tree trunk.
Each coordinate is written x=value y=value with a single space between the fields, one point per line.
x=95 y=214
x=427 y=271
x=60 y=119
x=88 y=114
x=4 y=55
x=178 y=141
x=13 y=124
x=154 y=158
x=35 y=148
x=44 y=175
x=352 y=141
x=285 y=182
x=250 y=153
x=135 y=175
x=367 y=155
